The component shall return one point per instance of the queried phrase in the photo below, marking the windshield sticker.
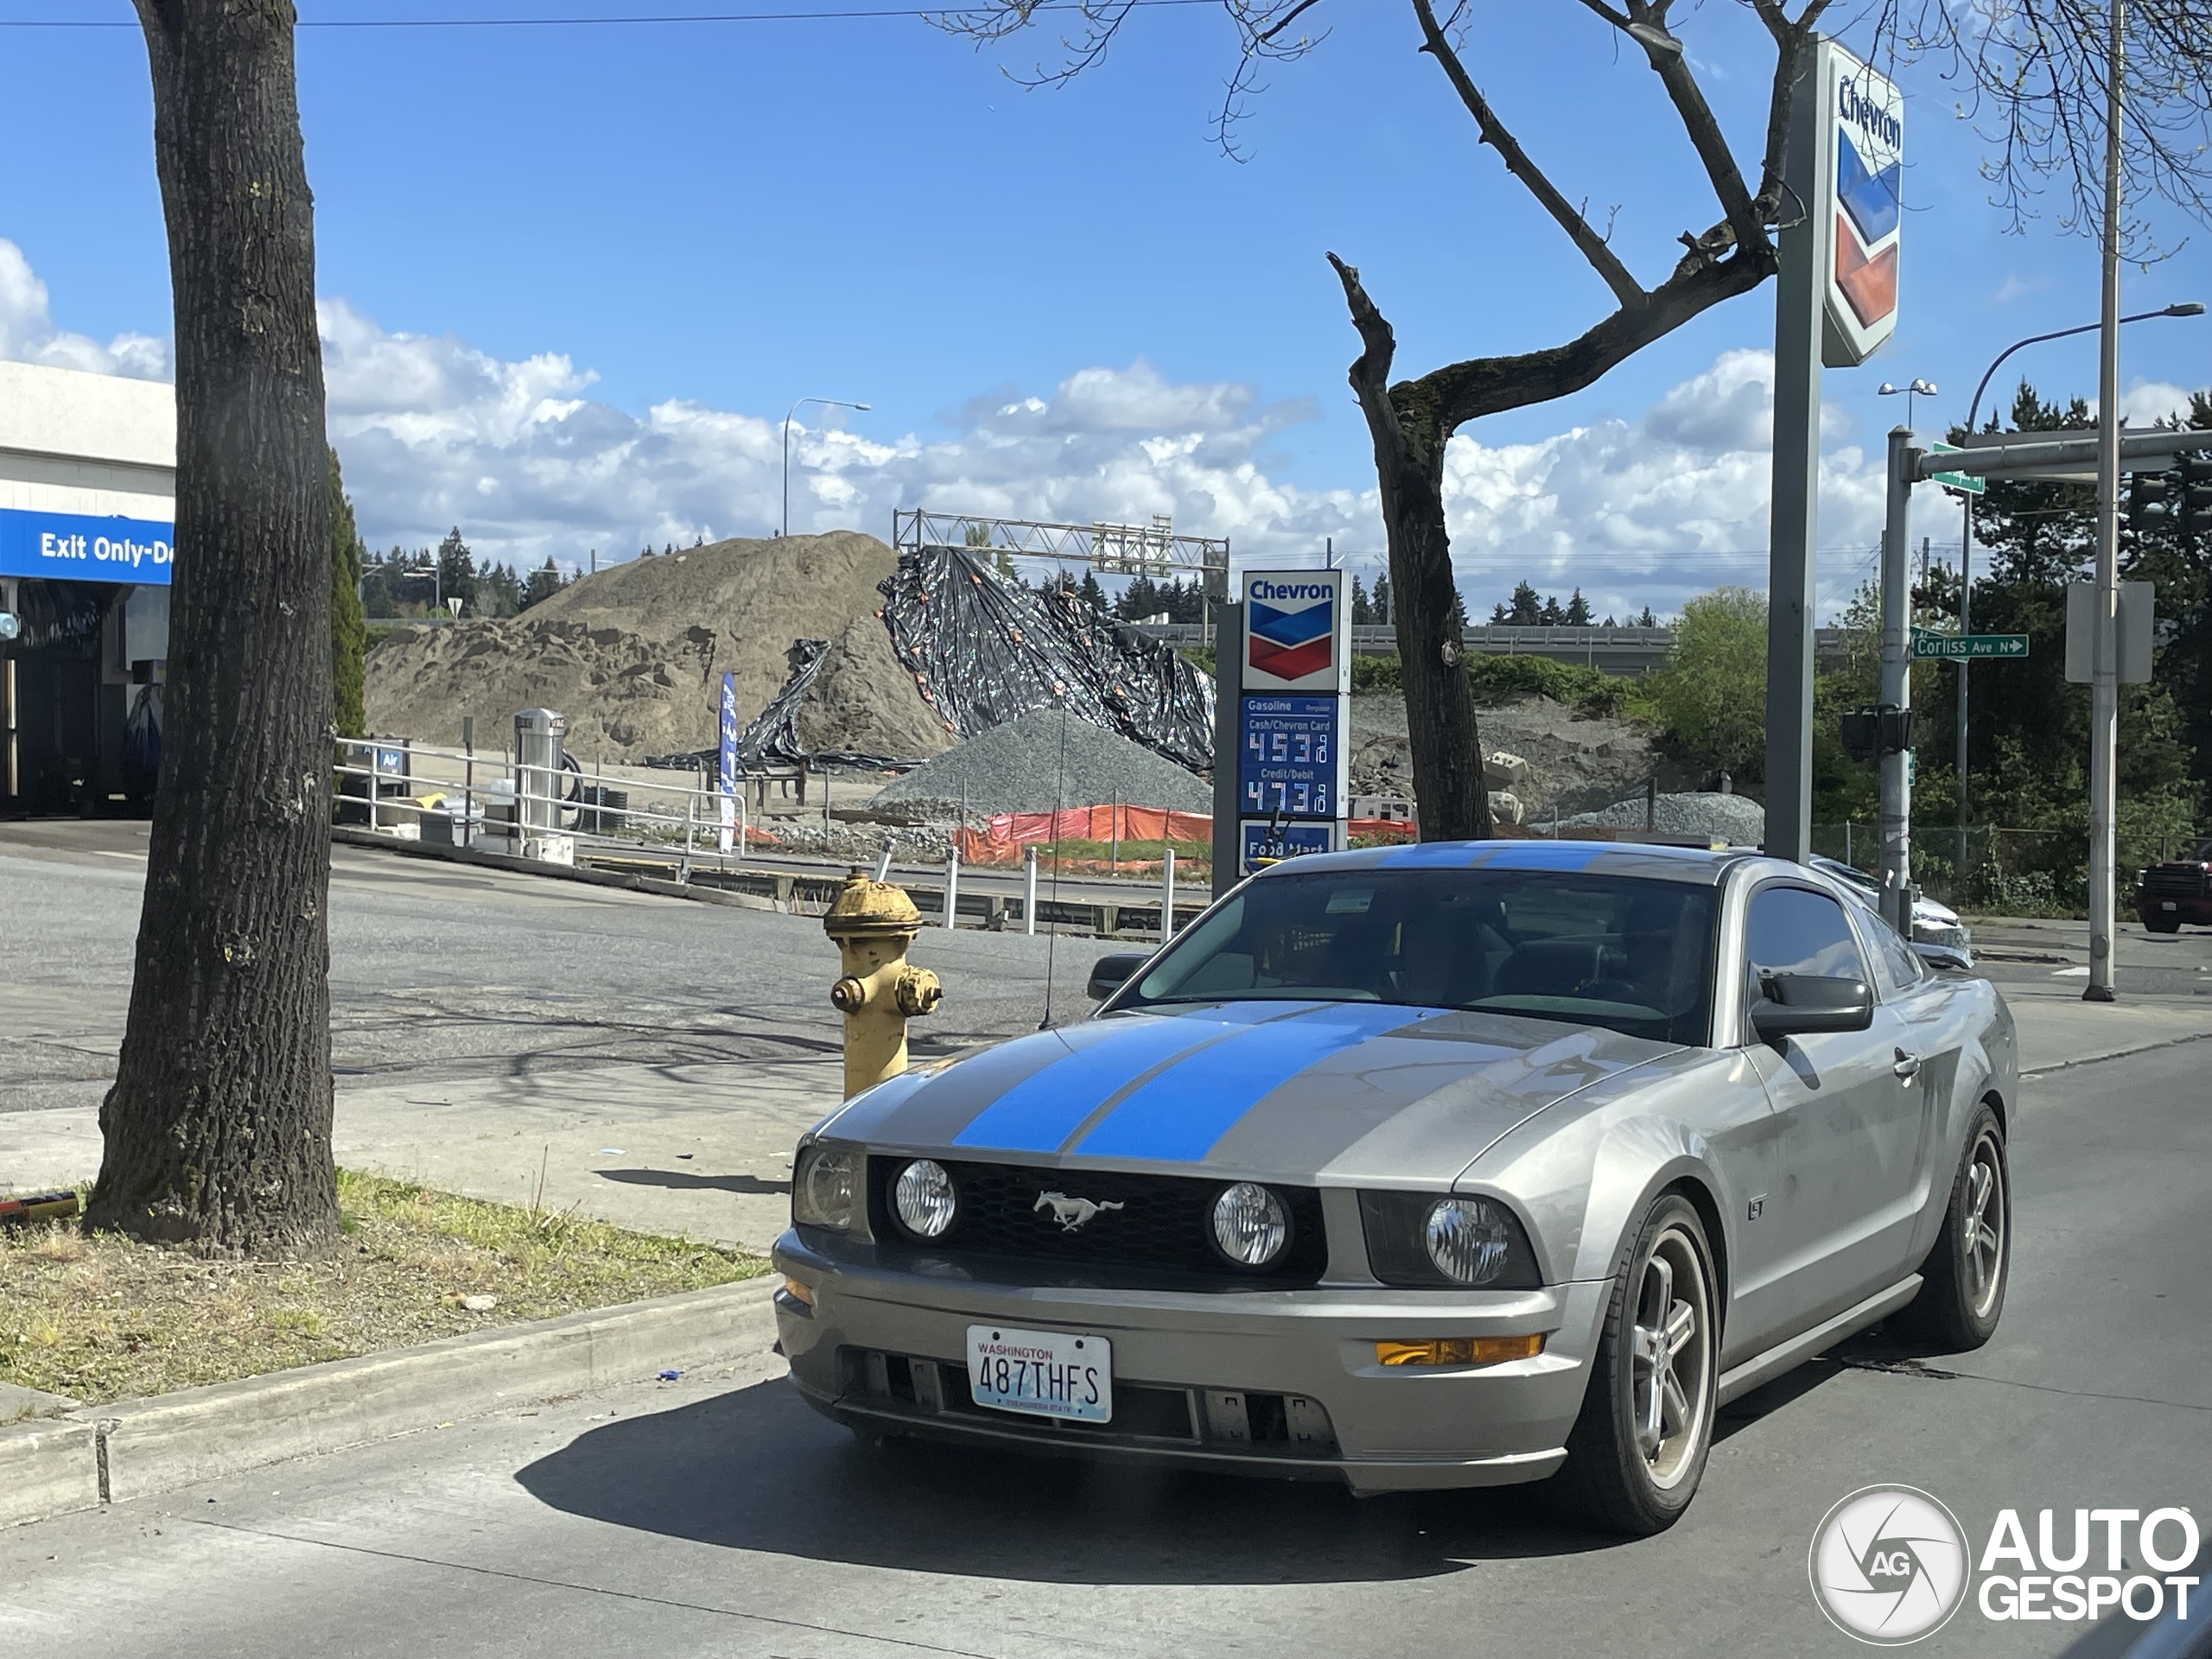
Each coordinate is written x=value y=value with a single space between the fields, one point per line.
x=1351 y=901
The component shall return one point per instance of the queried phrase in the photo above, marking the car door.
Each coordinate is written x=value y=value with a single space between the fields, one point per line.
x=1843 y=1111
x=1919 y=1016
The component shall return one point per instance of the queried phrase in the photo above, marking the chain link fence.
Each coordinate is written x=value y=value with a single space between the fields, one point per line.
x=2004 y=870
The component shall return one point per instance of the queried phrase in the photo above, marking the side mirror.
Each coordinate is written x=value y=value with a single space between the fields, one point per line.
x=1804 y=1004
x=1109 y=974
x=1953 y=958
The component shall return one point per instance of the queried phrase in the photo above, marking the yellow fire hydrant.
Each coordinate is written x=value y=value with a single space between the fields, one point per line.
x=873 y=922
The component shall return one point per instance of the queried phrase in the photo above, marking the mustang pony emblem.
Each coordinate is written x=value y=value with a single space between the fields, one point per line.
x=1071 y=1213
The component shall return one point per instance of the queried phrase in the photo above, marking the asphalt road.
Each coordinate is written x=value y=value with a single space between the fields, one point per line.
x=717 y=1515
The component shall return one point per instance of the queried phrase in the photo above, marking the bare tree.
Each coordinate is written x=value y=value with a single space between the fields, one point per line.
x=218 y=1127
x=2031 y=67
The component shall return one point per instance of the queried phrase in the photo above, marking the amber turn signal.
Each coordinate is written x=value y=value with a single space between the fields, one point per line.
x=1459 y=1351
x=798 y=1292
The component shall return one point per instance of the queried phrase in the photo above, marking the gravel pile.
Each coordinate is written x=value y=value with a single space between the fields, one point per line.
x=1017 y=767
x=1735 y=819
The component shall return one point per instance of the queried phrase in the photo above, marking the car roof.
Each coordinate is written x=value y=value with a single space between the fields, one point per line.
x=1695 y=865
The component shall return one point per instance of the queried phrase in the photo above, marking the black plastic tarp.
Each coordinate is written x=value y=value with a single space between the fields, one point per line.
x=984 y=651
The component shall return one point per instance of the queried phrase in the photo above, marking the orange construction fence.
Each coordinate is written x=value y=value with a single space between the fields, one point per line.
x=1009 y=832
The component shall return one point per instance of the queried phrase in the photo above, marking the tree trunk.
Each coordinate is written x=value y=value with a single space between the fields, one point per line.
x=218 y=1127
x=1409 y=466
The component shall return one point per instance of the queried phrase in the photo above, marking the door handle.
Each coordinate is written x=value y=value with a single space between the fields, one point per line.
x=1907 y=1066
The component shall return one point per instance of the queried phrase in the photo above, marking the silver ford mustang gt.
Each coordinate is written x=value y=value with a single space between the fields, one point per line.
x=1439 y=1166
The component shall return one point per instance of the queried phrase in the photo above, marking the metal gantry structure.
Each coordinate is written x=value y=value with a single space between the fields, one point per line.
x=1154 y=550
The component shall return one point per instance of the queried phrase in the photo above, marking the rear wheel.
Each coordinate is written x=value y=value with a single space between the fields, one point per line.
x=1638 y=1450
x=1962 y=1290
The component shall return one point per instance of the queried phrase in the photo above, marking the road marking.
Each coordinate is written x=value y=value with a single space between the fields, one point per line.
x=2117 y=1054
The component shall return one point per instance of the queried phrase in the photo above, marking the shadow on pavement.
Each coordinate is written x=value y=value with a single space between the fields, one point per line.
x=758 y=1469
x=685 y=1180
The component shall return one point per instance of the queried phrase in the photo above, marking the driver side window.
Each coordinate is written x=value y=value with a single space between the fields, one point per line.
x=1793 y=930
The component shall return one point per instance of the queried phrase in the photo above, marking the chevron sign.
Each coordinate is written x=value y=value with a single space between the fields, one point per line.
x=1291 y=629
x=1864 y=119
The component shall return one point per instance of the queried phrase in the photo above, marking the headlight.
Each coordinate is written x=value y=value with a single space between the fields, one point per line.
x=1250 y=1225
x=1446 y=1241
x=1468 y=1238
x=826 y=1188
x=923 y=1196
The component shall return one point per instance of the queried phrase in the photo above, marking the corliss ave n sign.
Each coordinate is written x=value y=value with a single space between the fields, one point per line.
x=1955 y=648
x=1862 y=132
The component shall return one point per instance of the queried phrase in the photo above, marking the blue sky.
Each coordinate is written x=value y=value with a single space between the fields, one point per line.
x=1065 y=303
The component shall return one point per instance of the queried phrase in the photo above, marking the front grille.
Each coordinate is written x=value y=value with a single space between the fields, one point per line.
x=1164 y=1224
x=2175 y=882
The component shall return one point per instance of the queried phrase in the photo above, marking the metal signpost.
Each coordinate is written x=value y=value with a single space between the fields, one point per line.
x=1836 y=302
x=1293 y=715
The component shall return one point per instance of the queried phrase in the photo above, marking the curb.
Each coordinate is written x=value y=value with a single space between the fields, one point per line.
x=2057 y=1066
x=102 y=1454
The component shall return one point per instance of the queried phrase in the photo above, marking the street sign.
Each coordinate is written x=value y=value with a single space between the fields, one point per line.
x=1964 y=481
x=1929 y=646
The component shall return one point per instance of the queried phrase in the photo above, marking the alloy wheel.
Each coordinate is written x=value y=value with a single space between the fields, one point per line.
x=1671 y=1357
x=1982 y=1226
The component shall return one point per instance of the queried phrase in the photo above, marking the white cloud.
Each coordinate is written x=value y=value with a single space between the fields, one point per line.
x=436 y=433
x=27 y=333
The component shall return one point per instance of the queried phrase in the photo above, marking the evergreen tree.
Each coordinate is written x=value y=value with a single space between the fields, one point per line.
x=456 y=569
x=1577 y=611
x=1362 y=610
x=1497 y=616
x=1381 y=600
x=1090 y=593
x=1647 y=620
x=1527 y=611
x=1550 y=616
x=1609 y=621
x=544 y=581
x=349 y=638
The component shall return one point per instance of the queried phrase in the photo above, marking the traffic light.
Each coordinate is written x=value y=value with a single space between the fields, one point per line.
x=2193 y=511
x=2149 y=507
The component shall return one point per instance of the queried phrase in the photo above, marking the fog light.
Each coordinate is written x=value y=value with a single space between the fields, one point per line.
x=925 y=1199
x=1250 y=1225
x=1459 y=1350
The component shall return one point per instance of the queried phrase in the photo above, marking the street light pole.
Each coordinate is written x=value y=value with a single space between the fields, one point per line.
x=2104 y=666
x=827 y=403
x=2183 y=309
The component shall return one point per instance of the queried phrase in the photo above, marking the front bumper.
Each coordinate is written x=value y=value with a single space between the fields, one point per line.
x=1281 y=1384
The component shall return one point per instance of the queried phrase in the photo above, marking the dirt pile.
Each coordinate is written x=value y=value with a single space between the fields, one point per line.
x=634 y=655
x=1575 y=764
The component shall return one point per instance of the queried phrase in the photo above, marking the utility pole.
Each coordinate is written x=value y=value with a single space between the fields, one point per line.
x=2104 y=671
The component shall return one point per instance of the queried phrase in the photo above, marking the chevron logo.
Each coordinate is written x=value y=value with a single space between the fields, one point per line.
x=1291 y=645
x=1866 y=274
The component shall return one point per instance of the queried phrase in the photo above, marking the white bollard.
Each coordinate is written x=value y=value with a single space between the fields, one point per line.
x=952 y=886
x=1167 y=896
x=1029 y=889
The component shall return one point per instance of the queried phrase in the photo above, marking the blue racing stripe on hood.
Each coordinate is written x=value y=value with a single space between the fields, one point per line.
x=1178 y=1116
x=1044 y=1108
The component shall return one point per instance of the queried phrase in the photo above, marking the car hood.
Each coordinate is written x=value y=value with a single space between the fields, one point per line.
x=1297 y=1091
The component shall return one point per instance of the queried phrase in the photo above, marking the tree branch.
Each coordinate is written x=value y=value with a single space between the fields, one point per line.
x=1672 y=69
x=1447 y=398
x=1371 y=370
x=1586 y=240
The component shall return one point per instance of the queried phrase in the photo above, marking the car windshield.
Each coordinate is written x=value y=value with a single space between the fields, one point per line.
x=1631 y=954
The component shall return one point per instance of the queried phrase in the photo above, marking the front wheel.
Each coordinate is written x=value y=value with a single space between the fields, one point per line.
x=1962 y=1282
x=1638 y=1450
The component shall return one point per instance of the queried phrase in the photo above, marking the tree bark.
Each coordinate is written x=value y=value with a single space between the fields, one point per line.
x=1410 y=468
x=218 y=1127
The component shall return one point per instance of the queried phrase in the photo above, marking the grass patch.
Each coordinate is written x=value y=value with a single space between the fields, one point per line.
x=98 y=1316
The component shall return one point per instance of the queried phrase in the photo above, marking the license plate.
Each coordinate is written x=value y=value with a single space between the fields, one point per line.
x=1044 y=1373
x=2169 y=904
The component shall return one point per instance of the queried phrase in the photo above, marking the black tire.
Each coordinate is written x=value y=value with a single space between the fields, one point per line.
x=1962 y=1290
x=1617 y=1477
x=2160 y=922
